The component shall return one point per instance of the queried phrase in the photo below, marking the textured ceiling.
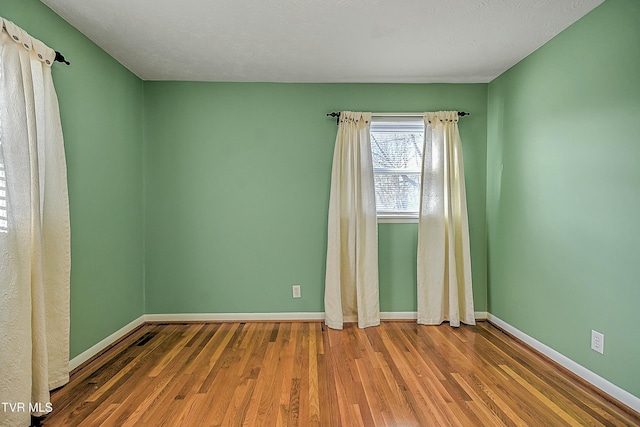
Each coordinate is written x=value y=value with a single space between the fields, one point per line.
x=320 y=40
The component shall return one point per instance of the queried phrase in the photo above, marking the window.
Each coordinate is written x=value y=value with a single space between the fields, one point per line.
x=3 y=197
x=397 y=144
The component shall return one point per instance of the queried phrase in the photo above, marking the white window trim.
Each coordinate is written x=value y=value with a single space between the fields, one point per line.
x=398 y=218
x=395 y=217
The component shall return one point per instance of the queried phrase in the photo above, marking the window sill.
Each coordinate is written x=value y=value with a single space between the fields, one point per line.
x=397 y=219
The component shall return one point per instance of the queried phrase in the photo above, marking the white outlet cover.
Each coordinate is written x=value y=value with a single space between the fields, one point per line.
x=597 y=341
x=295 y=289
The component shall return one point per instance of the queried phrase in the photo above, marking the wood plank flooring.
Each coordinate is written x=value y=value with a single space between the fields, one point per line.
x=301 y=374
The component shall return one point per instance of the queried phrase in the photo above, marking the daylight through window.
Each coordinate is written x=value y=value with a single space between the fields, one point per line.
x=396 y=146
x=3 y=197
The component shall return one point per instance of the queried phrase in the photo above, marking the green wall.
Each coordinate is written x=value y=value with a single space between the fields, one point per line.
x=237 y=189
x=563 y=192
x=101 y=106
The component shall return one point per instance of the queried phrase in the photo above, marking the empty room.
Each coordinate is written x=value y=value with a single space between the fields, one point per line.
x=319 y=213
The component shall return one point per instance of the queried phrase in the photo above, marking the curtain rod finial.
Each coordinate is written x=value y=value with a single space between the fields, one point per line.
x=336 y=115
x=60 y=58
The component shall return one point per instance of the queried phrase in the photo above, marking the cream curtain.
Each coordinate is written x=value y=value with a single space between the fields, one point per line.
x=34 y=229
x=351 y=286
x=444 y=263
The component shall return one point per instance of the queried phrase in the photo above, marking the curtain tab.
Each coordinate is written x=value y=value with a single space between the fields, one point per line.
x=441 y=116
x=45 y=54
x=359 y=118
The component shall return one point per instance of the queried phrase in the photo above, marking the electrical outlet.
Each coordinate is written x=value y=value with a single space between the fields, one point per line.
x=597 y=342
x=296 y=291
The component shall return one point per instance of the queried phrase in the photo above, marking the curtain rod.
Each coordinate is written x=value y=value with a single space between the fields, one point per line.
x=60 y=58
x=337 y=115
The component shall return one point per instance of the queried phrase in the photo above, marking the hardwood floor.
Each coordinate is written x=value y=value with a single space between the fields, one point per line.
x=297 y=374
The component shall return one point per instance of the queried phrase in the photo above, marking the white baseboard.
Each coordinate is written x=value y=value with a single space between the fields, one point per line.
x=413 y=315
x=481 y=315
x=398 y=315
x=105 y=343
x=606 y=386
x=232 y=317
x=239 y=317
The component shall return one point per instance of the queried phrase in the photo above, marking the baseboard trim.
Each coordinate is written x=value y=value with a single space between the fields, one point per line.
x=398 y=315
x=105 y=343
x=481 y=315
x=413 y=315
x=308 y=316
x=591 y=377
x=233 y=317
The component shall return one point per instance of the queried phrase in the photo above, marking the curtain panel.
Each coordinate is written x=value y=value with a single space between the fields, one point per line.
x=34 y=229
x=444 y=262
x=351 y=284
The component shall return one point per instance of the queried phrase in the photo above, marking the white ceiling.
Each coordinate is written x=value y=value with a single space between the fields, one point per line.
x=391 y=41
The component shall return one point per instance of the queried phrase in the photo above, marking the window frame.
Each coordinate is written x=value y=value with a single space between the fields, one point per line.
x=4 y=210
x=396 y=124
